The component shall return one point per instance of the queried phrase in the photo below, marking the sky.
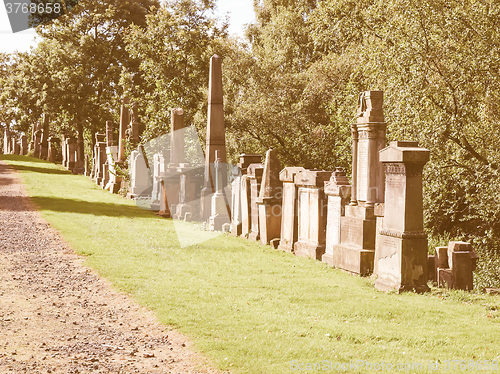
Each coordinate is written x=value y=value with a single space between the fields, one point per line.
x=240 y=12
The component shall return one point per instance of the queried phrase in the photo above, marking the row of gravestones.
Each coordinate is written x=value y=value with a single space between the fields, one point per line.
x=373 y=225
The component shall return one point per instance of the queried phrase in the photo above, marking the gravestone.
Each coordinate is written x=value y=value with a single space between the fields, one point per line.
x=140 y=182
x=216 y=140
x=401 y=250
x=64 y=151
x=71 y=153
x=220 y=211
x=356 y=250
x=289 y=213
x=44 y=143
x=53 y=149
x=159 y=169
x=38 y=138
x=6 y=141
x=270 y=198
x=114 y=182
x=254 y=175
x=16 y=146
x=312 y=211
x=100 y=158
x=80 y=153
x=124 y=123
x=24 y=145
x=240 y=199
x=338 y=191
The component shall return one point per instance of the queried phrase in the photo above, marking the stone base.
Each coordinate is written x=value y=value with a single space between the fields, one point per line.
x=255 y=236
x=216 y=222
x=155 y=206
x=235 y=229
x=114 y=187
x=327 y=258
x=285 y=246
x=309 y=250
x=385 y=286
x=353 y=259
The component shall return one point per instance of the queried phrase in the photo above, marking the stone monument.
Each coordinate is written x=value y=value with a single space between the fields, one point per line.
x=216 y=140
x=24 y=145
x=289 y=212
x=455 y=265
x=254 y=176
x=356 y=250
x=338 y=191
x=220 y=211
x=44 y=143
x=401 y=246
x=270 y=198
x=124 y=123
x=312 y=210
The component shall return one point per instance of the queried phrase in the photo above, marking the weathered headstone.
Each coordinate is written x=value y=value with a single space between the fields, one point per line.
x=216 y=140
x=254 y=175
x=159 y=169
x=16 y=146
x=401 y=250
x=100 y=158
x=289 y=212
x=240 y=199
x=37 y=145
x=140 y=182
x=270 y=199
x=338 y=191
x=312 y=212
x=80 y=153
x=356 y=250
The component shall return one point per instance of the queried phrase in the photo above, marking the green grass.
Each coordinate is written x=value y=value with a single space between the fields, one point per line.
x=250 y=308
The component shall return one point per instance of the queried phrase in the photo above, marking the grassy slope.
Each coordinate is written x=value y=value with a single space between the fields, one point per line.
x=253 y=309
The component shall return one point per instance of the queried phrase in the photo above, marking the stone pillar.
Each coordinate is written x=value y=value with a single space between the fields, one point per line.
x=24 y=145
x=401 y=252
x=177 y=151
x=80 y=153
x=254 y=174
x=71 y=153
x=245 y=199
x=100 y=158
x=135 y=126
x=124 y=123
x=356 y=250
x=16 y=146
x=312 y=210
x=44 y=142
x=338 y=191
x=87 y=166
x=237 y=194
x=64 y=151
x=109 y=134
x=289 y=212
x=216 y=140
x=270 y=198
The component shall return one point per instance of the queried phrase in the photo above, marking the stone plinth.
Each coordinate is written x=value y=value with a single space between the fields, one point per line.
x=190 y=179
x=237 y=201
x=312 y=211
x=289 y=211
x=254 y=175
x=338 y=191
x=401 y=253
x=270 y=198
x=455 y=265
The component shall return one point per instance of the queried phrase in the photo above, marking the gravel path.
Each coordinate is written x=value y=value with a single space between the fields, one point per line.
x=57 y=316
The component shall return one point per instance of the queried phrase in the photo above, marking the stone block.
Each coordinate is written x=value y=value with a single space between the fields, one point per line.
x=462 y=271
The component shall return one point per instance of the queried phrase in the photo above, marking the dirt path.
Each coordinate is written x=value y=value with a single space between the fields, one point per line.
x=57 y=316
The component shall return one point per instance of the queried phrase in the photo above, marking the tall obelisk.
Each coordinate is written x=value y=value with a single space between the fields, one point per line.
x=216 y=139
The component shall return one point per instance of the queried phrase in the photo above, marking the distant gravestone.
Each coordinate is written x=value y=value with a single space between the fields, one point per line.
x=254 y=175
x=24 y=145
x=71 y=153
x=455 y=265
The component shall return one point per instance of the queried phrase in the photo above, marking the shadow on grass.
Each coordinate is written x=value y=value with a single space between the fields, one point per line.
x=40 y=170
x=22 y=158
x=21 y=203
x=85 y=207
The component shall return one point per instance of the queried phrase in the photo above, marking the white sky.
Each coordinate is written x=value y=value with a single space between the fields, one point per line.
x=240 y=12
